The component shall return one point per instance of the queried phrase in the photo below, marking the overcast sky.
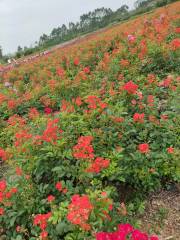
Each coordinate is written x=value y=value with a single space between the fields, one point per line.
x=22 y=22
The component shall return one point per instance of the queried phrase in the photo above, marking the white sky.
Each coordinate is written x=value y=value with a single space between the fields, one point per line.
x=23 y=21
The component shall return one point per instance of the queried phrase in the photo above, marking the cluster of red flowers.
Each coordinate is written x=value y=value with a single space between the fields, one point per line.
x=166 y=82
x=60 y=188
x=79 y=211
x=2 y=98
x=41 y=221
x=5 y=195
x=78 y=101
x=98 y=164
x=60 y=72
x=66 y=106
x=94 y=102
x=130 y=87
x=138 y=117
x=16 y=120
x=124 y=63
x=22 y=137
x=84 y=149
x=150 y=100
x=124 y=231
x=11 y=104
x=151 y=78
x=50 y=133
x=33 y=113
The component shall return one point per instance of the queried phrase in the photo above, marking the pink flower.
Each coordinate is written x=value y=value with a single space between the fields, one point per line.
x=131 y=38
x=102 y=236
x=154 y=238
x=137 y=235
x=126 y=228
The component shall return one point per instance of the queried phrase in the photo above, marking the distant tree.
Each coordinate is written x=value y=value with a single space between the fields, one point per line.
x=142 y=3
x=1 y=53
x=43 y=39
x=19 y=49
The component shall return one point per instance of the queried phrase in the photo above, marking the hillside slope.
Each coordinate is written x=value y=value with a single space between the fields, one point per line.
x=88 y=132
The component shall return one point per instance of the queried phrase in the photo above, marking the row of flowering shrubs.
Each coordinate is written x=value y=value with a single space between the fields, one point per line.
x=89 y=130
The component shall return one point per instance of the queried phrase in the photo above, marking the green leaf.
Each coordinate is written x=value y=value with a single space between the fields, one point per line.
x=61 y=228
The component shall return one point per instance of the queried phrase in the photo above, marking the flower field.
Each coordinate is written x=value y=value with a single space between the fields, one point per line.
x=90 y=130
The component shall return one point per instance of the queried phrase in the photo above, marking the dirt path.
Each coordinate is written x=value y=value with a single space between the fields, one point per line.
x=162 y=215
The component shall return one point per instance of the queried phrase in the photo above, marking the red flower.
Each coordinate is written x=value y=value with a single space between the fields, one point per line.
x=78 y=101
x=1 y=211
x=124 y=62
x=143 y=148
x=138 y=117
x=60 y=72
x=14 y=190
x=50 y=198
x=130 y=87
x=150 y=100
x=170 y=150
x=19 y=171
x=76 y=61
x=48 y=110
x=175 y=44
x=164 y=117
x=87 y=70
x=65 y=190
x=59 y=186
x=11 y=104
x=3 y=154
x=177 y=30
x=44 y=234
x=3 y=186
